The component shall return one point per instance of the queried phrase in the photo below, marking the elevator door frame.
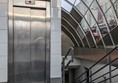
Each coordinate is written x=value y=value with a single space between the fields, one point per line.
x=11 y=38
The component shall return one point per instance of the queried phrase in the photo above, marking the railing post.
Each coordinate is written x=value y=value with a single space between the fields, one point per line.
x=63 y=72
x=105 y=79
x=110 y=74
x=90 y=72
x=108 y=56
x=63 y=64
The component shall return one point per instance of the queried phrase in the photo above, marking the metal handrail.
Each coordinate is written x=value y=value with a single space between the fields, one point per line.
x=108 y=78
x=103 y=75
x=63 y=63
x=100 y=68
x=70 y=49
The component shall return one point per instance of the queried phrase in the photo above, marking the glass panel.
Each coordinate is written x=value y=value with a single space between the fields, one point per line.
x=87 y=31
x=66 y=5
x=105 y=4
x=81 y=7
x=111 y=18
x=83 y=36
x=88 y=2
x=80 y=32
x=106 y=7
x=71 y=1
x=90 y=19
x=102 y=27
x=84 y=26
x=77 y=2
x=99 y=18
x=116 y=6
x=114 y=1
x=93 y=26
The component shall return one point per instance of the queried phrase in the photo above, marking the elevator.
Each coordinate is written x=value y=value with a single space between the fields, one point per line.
x=29 y=41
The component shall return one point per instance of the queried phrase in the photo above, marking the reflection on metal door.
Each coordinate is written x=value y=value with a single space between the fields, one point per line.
x=29 y=45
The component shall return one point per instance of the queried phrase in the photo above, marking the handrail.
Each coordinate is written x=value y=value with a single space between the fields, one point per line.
x=99 y=70
x=104 y=56
x=108 y=78
x=68 y=63
x=63 y=63
x=96 y=64
x=70 y=49
x=103 y=75
x=72 y=59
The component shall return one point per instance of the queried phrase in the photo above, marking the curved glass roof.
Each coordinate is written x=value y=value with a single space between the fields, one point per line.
x=67 y=4
x=91 y=23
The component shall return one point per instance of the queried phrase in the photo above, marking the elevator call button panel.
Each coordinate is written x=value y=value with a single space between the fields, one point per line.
x=30 y=2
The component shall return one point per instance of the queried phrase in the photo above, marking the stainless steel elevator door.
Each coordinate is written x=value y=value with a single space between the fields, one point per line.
x=38 y=42
x=29 y=45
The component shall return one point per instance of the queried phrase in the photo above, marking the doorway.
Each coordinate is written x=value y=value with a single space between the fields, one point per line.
x=29 y=40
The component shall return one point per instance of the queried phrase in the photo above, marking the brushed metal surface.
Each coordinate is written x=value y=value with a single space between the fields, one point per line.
x=29 y=42
x=38 y=46
x=48 y=30
x=22 y=45
x=30 y=45
x=10 y=43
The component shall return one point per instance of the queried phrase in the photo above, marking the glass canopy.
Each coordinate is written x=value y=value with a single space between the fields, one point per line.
x=95 y=21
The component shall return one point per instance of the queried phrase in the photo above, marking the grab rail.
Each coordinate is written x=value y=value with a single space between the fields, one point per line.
x=63 y=63
x=110 y=62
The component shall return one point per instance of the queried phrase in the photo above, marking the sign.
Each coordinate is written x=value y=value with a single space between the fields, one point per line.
x=30 y=2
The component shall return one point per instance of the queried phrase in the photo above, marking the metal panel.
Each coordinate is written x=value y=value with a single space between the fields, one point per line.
x=24 y=40
x=10 y=44
x=22 y=45
x=29 y=45
x=38 y=28
x=48 y=42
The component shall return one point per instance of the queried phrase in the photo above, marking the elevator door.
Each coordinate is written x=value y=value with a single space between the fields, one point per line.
x=29 y=45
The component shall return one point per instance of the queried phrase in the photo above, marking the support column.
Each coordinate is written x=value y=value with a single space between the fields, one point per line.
x=3 y=41
x=55 y=41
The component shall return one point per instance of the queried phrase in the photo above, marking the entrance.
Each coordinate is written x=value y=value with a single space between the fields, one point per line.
x=29 y=42
x=29 y=34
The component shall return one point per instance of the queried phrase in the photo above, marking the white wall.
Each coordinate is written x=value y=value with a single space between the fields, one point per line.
x=3 y=40
x=55 y=39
